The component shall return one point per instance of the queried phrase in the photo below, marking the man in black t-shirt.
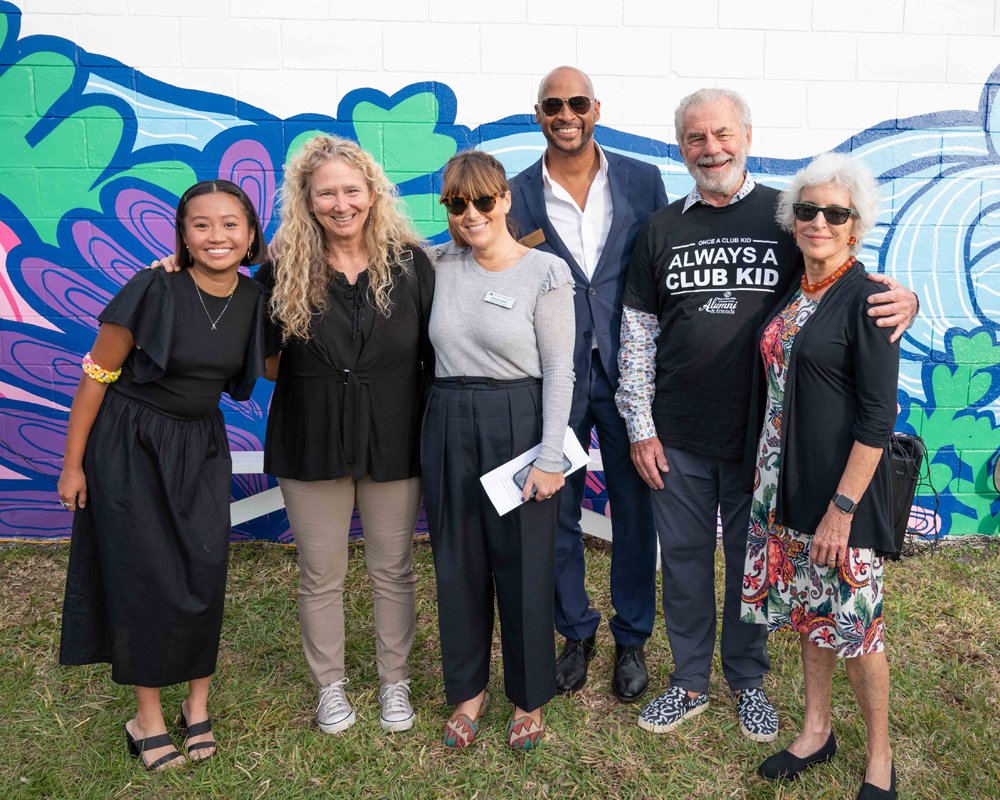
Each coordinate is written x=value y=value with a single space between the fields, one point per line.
x=705 y=273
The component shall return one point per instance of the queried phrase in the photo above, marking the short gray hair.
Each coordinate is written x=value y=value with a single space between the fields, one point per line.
x=843 y=171
x=711 y=95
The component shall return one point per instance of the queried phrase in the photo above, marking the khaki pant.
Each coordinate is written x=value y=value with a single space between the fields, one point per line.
x=320 y=517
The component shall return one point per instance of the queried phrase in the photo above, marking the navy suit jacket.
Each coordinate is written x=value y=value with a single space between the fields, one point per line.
x=636 y=192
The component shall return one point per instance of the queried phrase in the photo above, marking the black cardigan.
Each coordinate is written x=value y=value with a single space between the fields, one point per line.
x=840 y=388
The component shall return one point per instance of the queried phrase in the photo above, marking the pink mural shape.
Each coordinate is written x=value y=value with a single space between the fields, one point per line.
x=12 y=305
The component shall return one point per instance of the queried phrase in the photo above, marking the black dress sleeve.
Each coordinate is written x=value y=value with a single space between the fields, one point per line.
x=264 y=275
x=425 y=295
x=240 y=386
x=145 y=305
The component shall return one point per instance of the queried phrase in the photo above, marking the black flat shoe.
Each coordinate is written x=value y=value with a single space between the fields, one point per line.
x=571 y=666
x=869 y=791
x=786 y=766
x=631 y=678
x=136 y=747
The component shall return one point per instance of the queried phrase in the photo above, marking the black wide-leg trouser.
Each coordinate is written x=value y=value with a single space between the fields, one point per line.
x=471 y=426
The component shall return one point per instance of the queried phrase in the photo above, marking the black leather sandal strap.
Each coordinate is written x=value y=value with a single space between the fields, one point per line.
x=200 y=746
x=163 y=760
x=199 y=728
x=152 y=742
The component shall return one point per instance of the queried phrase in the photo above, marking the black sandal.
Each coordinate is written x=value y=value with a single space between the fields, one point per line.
x=198 y=728
x=136 y=747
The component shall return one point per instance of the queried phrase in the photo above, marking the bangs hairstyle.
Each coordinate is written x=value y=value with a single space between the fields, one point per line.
x=257 y=250
x=844 y=171
x=471 y=174
x=301 y=273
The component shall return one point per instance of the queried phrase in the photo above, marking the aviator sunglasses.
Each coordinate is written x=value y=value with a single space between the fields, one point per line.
x=578 y=104
x=457 y=205
x=834 y=215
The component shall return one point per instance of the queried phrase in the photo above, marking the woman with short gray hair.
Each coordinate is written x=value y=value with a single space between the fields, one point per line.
x=820 y=520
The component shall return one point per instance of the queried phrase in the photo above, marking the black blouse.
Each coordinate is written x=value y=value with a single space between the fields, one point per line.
x=348 y=400
x=179 y=365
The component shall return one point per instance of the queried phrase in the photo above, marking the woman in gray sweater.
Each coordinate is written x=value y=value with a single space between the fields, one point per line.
x=502 y=327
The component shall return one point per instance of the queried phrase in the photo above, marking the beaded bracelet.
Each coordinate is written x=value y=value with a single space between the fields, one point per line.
x=94 y=370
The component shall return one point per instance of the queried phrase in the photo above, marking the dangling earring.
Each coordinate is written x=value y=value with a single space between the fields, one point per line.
x=249 y=247
x=852 y=241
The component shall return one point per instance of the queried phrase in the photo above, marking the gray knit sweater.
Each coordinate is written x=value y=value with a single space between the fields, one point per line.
x=475 y=334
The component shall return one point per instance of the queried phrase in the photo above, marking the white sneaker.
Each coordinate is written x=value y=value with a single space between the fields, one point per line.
x=334 y=714
x=397 y=713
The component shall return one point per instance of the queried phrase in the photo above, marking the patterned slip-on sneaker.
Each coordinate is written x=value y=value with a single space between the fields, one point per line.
x=758 y=719
x=670 y=709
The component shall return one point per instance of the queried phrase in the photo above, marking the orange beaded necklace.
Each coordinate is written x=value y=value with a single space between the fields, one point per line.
x=810 y=288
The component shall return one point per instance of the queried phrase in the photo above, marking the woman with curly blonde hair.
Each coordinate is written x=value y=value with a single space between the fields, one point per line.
x=351 y=292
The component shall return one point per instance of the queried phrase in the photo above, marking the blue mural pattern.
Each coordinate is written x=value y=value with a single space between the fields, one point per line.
x=97 y=154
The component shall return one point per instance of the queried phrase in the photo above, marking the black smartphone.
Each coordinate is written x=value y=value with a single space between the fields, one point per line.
x=521 y=476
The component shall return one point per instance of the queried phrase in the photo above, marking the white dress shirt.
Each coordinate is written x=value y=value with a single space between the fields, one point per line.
x=583 y=231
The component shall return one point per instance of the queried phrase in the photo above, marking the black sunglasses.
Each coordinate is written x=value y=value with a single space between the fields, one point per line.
x=578 y=104
x=457 y=205
x=834 y=215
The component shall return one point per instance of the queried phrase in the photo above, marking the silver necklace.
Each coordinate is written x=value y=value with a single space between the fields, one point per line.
x=215 y=321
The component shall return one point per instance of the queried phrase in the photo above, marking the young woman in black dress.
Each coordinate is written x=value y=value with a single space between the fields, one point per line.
x=147 y=469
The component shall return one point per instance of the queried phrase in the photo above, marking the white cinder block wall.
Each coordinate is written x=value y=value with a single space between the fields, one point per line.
x=814 y=72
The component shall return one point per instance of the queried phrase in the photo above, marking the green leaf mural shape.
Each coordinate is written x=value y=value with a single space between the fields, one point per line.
x=961 y=439
x=402 y=138
x=63 y=170
x=403 y=141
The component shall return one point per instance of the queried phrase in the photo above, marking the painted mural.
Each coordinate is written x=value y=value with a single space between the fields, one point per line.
x=95 y=154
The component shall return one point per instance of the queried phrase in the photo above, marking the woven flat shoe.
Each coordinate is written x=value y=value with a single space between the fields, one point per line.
x=460 y=731
x=523 y=733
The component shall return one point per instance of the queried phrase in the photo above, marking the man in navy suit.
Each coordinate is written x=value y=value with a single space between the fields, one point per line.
x=587 y=206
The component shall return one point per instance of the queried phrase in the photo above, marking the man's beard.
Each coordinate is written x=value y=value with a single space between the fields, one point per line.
x=726 y=182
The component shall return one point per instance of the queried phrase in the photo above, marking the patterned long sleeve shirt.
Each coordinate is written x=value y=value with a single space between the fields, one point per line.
x=637 y=364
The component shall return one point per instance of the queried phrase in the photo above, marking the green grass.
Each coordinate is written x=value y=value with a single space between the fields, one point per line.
x=61 y=727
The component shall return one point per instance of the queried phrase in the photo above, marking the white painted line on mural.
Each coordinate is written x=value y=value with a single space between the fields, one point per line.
x=168 y=135
x=180 y=112
x=518 y=148
x=959 y=262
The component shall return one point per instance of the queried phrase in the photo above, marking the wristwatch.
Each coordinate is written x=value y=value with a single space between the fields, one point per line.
x=844 y=503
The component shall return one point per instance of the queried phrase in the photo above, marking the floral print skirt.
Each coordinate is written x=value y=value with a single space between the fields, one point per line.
x=836 y=607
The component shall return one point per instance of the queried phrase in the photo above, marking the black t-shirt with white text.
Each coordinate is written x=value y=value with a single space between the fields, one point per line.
x=711 y=276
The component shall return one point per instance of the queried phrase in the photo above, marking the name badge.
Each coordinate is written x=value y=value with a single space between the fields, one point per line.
x=499 y=300
x=534 y=238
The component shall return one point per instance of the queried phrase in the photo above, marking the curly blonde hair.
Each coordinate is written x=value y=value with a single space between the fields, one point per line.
x=302 y=276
